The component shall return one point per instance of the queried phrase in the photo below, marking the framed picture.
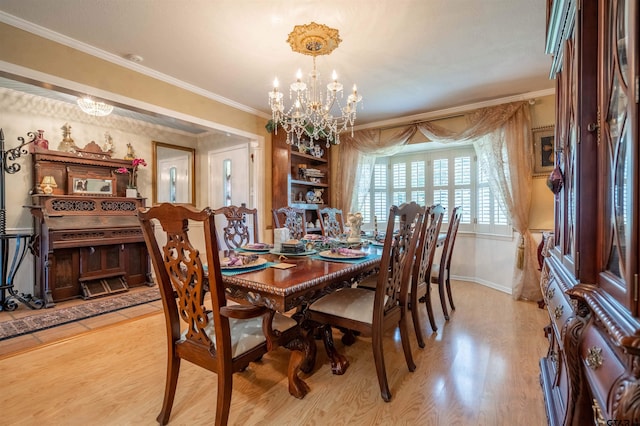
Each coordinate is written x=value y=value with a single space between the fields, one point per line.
x=543 y=150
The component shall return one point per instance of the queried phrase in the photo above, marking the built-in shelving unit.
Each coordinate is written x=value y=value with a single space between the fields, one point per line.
x=300 y=179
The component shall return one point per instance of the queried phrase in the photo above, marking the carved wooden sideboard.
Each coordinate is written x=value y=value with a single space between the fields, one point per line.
x=88 y=241
x=591 y=372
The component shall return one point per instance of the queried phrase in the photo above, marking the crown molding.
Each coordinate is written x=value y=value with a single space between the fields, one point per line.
x=450 y=112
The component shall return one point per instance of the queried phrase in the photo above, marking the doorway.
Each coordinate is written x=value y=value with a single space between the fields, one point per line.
x=230 y=179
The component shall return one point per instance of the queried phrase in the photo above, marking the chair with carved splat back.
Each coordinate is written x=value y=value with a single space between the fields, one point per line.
x=371 y=313
x=223 y=339
x=440 y=272
x=421 y=274
x=237 y=232
x=292 y=218
x=331 y=222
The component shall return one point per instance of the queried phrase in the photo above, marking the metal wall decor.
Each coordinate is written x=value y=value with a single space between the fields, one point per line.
x=22 y=242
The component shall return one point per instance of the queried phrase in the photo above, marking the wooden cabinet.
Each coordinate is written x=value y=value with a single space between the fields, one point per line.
x=301 y=177
x=590 y=373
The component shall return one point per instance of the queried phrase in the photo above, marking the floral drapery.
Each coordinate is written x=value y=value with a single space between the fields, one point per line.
x=502 y=139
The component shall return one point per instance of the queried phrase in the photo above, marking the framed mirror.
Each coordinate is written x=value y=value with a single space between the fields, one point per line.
x=82 y=182
x=173 y=174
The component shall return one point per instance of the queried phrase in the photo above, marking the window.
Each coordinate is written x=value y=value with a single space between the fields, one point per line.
x=451 y=177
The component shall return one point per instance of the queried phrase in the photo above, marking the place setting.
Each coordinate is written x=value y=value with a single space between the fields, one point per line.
x=256 y=248
x=233 y=263
x=345 y=255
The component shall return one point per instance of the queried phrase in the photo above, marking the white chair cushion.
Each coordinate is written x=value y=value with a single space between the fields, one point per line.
x=435 y=271
x=247 y=334
x=352 y=303
x=370 y=282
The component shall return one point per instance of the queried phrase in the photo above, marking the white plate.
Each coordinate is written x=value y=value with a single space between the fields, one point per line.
x=329 y=255
x=257 y=250
x=303 y=253
x=254 y=264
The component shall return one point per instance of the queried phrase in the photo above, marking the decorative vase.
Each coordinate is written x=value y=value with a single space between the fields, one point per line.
x=39 y=141
x=132 y=193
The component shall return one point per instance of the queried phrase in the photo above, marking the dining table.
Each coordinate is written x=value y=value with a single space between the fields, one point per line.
x=287 y=283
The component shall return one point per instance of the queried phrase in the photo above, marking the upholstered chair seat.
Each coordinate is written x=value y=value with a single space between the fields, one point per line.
x=351 y=303
x=246 y=334
x=369 y=283
x=435 y=271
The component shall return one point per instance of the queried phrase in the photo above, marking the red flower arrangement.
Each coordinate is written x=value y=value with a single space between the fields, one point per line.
x=133 y=173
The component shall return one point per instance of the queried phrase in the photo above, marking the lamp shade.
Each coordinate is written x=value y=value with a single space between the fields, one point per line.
x=47 y=184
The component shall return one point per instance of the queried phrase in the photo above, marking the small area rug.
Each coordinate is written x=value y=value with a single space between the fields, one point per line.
x=47 y=318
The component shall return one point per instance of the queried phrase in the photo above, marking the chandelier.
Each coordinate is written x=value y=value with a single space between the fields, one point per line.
x=96 y=108
x=315 y=112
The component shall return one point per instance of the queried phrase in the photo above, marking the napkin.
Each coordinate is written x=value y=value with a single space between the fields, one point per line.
x=280 y=235
x=350 y=252
x=257 y=246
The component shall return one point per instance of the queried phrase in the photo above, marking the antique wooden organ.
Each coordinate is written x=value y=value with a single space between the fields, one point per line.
x=87 y=238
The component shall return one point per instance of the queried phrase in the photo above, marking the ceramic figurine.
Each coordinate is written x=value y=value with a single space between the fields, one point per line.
x=67 y=144
x=130 y=153
x=317 y=195
x=108 y=143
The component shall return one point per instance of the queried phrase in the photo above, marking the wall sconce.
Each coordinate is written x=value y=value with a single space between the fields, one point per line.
x=47 y=184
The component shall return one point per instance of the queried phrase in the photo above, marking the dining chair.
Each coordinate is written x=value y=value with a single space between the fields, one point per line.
x=440 y=272
x=292 y=218
x=371 y=313
x=223 y=339
x=237 y=233
x=331 y=221
x=421 y=273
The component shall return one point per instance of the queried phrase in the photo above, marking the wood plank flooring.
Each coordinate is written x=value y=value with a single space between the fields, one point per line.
x=479 y=368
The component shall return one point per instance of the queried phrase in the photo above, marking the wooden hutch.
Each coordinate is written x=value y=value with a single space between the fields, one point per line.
x=88 y=241
x=299 y=174
x=591 y=372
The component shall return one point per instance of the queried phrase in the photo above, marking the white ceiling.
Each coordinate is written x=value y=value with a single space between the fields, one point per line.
x=408 y=57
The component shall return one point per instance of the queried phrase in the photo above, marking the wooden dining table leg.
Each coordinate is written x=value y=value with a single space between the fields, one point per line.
x=299 y=353
x=307 y=334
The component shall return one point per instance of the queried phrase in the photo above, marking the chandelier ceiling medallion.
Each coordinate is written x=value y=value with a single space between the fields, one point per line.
x=315 y=112
x=96 y=108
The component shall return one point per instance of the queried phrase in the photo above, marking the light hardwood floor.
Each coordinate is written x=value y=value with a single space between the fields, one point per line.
x=480 y=368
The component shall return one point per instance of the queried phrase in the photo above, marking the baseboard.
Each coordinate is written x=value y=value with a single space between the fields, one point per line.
x=484 y=283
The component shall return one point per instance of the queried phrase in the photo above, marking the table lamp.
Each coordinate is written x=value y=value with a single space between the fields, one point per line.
x=47 y=184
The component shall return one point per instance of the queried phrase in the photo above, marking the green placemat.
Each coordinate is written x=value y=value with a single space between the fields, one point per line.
x=244 y=271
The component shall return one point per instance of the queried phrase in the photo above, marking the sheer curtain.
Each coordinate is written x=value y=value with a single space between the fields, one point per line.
x=502 y=139
x=360 y=150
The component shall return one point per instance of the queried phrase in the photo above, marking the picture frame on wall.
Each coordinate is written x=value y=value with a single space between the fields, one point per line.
x=543 y=150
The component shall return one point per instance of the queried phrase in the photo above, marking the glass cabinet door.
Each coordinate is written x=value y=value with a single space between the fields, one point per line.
x=617 y=152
